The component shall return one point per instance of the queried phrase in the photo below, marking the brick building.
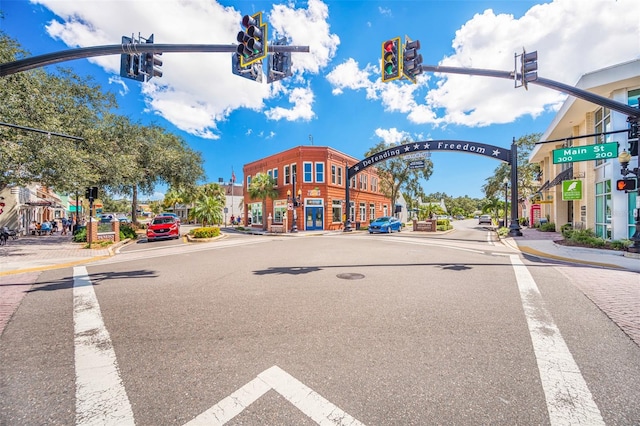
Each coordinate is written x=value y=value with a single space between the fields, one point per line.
x=318 y=175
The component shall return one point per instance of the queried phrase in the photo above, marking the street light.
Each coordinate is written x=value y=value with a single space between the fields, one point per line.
x=296 y=202
x=624 y=157
x=506 y=198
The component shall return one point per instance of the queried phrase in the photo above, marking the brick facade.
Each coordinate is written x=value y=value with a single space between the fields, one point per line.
x=320 y=175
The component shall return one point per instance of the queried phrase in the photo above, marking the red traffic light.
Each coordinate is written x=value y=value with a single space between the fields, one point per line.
x=627 y=184
x=388 y=45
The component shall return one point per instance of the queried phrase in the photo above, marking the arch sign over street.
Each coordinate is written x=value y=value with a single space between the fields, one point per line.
x=509 y=156
x=492 y=151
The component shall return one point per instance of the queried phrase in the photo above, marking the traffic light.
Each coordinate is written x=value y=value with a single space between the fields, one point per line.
x=279 y=63
x=152 y=62
x=528 y=67
x=252 y=71
x=627 y=184
x=91 y=193
x=253 y=40
x=412 y=66
x=391 y=60
x=130 y=62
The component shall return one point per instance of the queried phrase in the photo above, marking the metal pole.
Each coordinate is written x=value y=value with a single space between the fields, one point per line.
x=514 y=227
x=627 y=110
x=132 y=48
x=294 y=225
x=506 y=203
x=347 y=221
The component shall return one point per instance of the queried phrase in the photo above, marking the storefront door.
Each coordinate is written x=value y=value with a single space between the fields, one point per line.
x=314 y=218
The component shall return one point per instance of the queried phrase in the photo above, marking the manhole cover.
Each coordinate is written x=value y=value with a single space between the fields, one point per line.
x=350 y=276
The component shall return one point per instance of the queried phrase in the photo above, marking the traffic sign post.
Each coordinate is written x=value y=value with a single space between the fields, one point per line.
x=602 y=151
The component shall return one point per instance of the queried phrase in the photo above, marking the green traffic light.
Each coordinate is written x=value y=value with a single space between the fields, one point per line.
x=388 y=69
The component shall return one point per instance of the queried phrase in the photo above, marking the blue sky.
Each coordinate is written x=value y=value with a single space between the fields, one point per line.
x=335 y=97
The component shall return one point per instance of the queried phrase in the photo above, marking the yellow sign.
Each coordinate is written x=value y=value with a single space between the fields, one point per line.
x=546 y=202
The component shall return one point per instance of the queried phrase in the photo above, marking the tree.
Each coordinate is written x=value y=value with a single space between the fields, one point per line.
x=61 y=103
x=427 y=211
x=172 y=198
x=493 y=206
x=262 y=186
x=395 y=174
x=527 y=172
x=207 y=210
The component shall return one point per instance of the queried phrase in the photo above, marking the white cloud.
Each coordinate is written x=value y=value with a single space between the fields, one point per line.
x=572 y=38
x=118 y=81
x=306 y=27
x=349 y=76
x=197 y=90
x=302 y=100
x=384 y=11
x=392 y=135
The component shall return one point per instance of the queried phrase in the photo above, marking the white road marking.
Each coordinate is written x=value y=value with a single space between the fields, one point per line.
x=100 y=395
x=490 y=238
x=301 y=396
x=569 y=401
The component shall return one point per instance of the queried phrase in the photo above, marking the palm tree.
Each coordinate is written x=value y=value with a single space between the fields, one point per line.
x=207 y=210
x=262 y=186
x=428 y=210
x=493 y=206
x=172 y=198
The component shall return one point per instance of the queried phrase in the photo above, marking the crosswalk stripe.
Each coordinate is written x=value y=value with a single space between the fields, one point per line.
x=100 y=395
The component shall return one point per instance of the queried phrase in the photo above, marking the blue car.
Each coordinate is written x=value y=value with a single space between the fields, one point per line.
x=386 y=224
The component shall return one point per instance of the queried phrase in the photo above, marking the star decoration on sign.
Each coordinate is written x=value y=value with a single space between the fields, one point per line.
x=496 y=152
x=407 y=148
x=416 y=147
x=426 y=146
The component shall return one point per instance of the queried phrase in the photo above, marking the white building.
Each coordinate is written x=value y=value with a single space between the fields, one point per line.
x=600 y=206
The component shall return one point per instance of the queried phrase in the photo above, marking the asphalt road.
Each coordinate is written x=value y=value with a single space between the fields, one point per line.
x=337 y=329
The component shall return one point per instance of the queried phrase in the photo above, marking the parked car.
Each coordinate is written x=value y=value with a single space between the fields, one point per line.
x=124 y=219
x=386 y=224
x=485 y=218
x=106 y=218
x=162 y=227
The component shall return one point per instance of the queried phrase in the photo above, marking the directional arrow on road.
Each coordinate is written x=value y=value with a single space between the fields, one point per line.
x=297 y=393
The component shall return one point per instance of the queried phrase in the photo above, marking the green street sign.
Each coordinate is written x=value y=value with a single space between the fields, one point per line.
x=572 y=154
x=571 y=190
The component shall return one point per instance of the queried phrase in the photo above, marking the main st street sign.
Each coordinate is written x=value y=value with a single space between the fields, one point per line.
x=601 y=151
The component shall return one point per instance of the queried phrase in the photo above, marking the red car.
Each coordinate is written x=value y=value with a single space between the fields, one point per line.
x=163 y=227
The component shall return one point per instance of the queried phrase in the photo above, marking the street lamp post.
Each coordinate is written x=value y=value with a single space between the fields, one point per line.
x=624 y=159
x=296 y=202
x=506 y=199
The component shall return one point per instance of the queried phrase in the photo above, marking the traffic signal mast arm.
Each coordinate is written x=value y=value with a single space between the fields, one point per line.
x=629 y=111
x=118 y=49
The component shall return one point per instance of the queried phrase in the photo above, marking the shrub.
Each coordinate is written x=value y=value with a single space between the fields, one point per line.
x=548 y=227
x=566 y=230
x=207 y=232
x=585 y=237
x=127 y=231
x=502 y=232
x=80 y=236
x=620 y=244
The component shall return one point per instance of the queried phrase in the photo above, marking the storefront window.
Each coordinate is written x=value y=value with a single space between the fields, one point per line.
x=363 y=212
x=255 y=213
x=603 y=209
x=336 y=211
x=633 y=196
x=603 y=124
x=279 y=210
